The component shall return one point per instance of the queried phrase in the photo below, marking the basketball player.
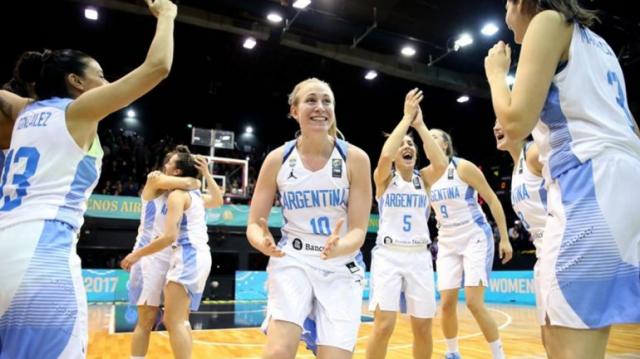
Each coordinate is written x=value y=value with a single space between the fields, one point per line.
x=528 y=192
x=570 y=94
x=316 y=270
x=465 y=244
x=401 y=264
x=148 y=276
x=51 y=168
x=185 y=230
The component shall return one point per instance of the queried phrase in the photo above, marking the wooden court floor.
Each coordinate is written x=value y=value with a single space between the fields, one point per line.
x=518 y=328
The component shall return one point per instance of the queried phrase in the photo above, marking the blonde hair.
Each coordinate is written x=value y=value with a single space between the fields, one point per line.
x=294 y=99
x=449 y=152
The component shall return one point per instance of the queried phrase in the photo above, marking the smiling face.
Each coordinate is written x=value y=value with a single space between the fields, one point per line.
x=406 y=155
x=313 y=107
x=501 y=138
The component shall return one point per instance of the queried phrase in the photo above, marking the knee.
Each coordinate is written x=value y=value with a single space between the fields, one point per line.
x=146 y=323
x=171 y=322
x=277 y=351
x=383 y=329
x=422 y=331
x=475 y=306
x=449 y=307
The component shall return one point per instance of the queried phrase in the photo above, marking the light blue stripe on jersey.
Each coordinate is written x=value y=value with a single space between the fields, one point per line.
x=55 y=102
x=149 y=221
x=596 y=283
x=480 y=220
x=543 y=195
x=42 y=314
x=71 y=211
x=562 y=157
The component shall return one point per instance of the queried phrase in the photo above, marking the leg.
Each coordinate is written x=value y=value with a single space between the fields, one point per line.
x=328 y=352
x=422 y=338
x=282 y=340
x=383 y=326
x=475 y=302
x=146 y=319
x=449 y=300
x=176 y=300
x=568 y=343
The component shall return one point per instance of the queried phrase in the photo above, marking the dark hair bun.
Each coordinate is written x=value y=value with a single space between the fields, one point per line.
x=28 y=67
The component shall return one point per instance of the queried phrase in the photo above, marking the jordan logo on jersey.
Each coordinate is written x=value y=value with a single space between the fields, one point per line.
x=291 y=175
x=292 y=164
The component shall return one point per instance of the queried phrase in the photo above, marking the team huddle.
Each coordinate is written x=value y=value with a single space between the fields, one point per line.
x=569 y=94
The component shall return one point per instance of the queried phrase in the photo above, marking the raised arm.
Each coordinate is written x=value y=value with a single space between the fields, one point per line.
x=158 y=181
x=263 y=196
x=382 y=173
x=359 y=208
x=97 y=103
x=438 y=161
x=545 y=44
x=472 y=175
x=213 y=198
x=177 y=202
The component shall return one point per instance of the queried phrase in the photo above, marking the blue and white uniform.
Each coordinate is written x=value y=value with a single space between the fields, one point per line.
x=590 y=262
x=529 y=202
x=148 y=275
x=401 y=264
x=324 y=297
x=191 y=259
x=465 y=239
x=529 y=199
x=46 y=182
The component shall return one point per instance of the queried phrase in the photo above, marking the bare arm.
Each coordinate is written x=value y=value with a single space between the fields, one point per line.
x=533 y=160
x=359 y=207
x=177 y=202
x=263 y=196
x=97 y=103
x=472 y=175
x=382 y=173
x=546 y=42
x=213 y=198
x=157 y=181
x=438 y=161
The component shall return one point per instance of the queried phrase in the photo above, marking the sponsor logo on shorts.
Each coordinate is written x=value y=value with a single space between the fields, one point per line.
x=297 y=244
x=387 y=240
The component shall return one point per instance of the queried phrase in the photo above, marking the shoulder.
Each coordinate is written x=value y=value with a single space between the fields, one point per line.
x=357 y=154
x=553 y=22
x=275 y=157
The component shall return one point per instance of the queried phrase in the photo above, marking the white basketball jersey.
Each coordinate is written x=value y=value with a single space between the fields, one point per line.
x=404 y=212
x=152 y=222
x=312 y=203
x=454 y=202
x=586 y=110
x=193 y=226
x=529 y=199
x=46 y=174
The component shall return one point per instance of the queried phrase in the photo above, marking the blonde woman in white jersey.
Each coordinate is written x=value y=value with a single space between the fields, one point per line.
x=185 y=230
x=570 y=94
x=51 y=168
x=401 y=264
x=148 y=276
x=465 y=245
x=316 y=271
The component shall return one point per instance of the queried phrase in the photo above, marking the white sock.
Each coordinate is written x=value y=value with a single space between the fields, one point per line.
x=132 y=357
x=496 y=349
x=452 y=345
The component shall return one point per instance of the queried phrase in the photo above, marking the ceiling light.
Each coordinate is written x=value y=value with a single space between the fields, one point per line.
x=371 y=74
x=489 y=29
x=463 y=99
x=408 y=51
x=301 y=4
x=249 y=43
